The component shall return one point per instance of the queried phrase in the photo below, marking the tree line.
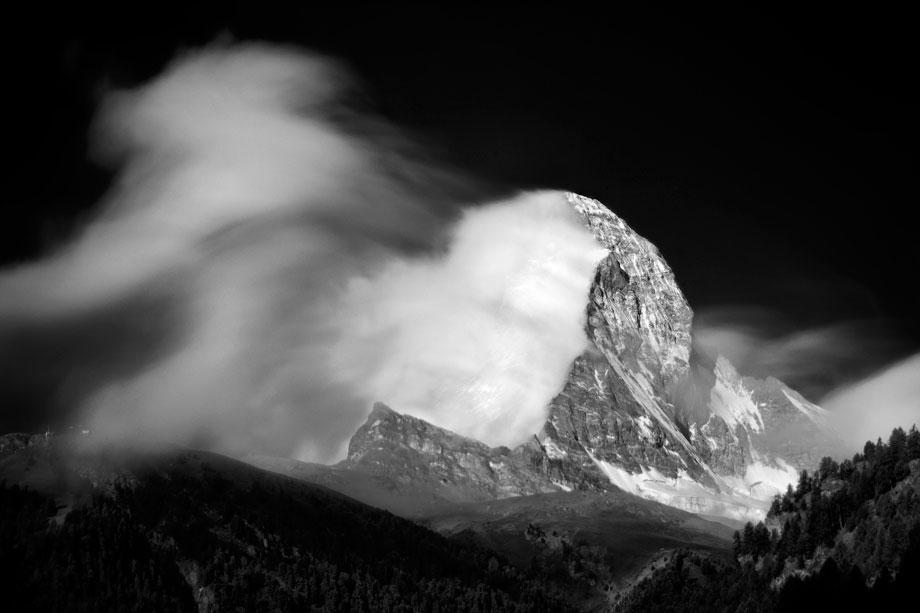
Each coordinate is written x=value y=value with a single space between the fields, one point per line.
x=175 y=541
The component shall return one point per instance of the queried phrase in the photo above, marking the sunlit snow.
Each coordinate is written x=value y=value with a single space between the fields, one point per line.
x=731 y=401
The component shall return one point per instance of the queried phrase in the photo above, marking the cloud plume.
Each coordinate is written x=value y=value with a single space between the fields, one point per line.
x=269 y=261
x=873 y=407
x=481 y=339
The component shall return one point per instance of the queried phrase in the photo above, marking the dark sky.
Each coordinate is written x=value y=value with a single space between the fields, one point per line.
x=768 y=156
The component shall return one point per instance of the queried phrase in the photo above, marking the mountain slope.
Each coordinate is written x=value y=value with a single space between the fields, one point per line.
x=186 y=530
x=846 y=538
x=602 y=540
x=595 y=539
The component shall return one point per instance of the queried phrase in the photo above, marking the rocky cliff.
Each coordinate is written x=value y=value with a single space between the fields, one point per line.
x=419 y=456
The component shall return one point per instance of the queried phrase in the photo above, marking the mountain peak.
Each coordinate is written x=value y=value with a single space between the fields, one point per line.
x=621 y=410
x=381 y=411
x=636 y=311
x=619 y=420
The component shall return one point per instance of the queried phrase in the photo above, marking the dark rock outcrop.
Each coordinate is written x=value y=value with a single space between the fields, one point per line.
x=420 y=456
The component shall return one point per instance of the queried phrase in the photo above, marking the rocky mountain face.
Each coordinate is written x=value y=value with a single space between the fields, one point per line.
x=635 y=413
x=420 y=456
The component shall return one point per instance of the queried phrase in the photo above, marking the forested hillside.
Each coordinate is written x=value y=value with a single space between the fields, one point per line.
x=846 y=537
x=189 y=533
x=195 y=531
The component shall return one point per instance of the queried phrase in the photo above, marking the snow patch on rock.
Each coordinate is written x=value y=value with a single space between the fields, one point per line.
x=731 y=401
x=683 y=492
x=553 y=451
x=811 y=411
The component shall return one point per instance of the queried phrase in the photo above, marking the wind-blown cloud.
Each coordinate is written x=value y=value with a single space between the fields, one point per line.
x=269 y=262
x=481 y=339
x=873 y=407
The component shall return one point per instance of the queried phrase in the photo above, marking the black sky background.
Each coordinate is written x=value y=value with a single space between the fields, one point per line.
x=768 y=156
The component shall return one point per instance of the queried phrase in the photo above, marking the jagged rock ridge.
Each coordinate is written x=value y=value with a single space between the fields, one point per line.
x=420 y=456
